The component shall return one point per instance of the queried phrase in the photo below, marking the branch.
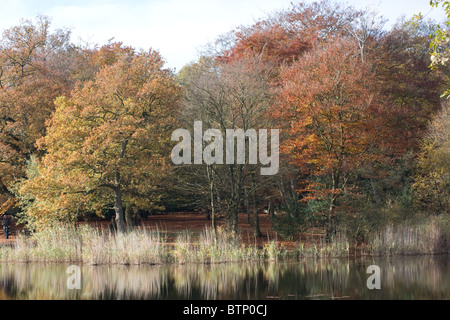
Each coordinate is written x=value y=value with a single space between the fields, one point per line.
x=105 y=185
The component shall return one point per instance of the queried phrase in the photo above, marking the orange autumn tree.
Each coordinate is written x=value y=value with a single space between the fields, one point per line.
x=283 y=36
x=280 y=40
x=34 y=69
x=330 y=110
x=106 y=144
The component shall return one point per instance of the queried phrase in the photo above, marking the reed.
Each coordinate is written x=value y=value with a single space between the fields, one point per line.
x=431 y=236
x=212 y=247
x=60 y=243
x=65 y=243
x=338 y=247
x=90 y=245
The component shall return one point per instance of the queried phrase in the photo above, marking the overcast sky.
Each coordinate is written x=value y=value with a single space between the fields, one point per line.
x=177 y=28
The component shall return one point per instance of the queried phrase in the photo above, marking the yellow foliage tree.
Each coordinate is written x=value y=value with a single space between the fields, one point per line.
x=107 y=144
x=432 y=181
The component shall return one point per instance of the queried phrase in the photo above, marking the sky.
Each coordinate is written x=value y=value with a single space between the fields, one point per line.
x=178 y=29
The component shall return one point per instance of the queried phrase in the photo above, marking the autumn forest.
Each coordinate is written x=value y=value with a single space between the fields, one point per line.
x=362 y=113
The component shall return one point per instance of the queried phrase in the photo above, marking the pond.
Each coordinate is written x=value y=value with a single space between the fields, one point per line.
x=415 y=277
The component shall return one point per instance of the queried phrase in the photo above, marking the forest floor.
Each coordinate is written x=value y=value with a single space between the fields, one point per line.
x=172 y=224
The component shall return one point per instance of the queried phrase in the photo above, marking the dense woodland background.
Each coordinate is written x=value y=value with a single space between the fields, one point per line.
x=85 y=131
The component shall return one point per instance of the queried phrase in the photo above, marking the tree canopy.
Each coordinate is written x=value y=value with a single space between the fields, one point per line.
x=107 y=142
x=88 y=129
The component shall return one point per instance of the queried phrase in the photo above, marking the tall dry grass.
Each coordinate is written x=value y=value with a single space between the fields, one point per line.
x=431 y=236
x=219 y=246
x=86 y=244
x=65 y=243
x=338 y=247
x=90 y=245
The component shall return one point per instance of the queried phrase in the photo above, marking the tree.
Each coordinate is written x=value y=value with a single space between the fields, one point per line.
x=33 y=72
x=401 y=61
x=230 y=96
x=330 y=110
x=285 y=35
x=365 y=28
x=440 y=40
x=432 y=180
x=281 y=39
x=106 y=143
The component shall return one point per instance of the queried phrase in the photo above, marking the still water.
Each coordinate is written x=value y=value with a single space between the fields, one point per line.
x=419 y=277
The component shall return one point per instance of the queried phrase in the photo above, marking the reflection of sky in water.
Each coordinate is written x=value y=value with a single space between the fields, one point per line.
x=401 y=278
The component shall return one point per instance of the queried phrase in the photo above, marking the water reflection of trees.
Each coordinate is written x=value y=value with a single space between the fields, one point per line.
x=406 y=278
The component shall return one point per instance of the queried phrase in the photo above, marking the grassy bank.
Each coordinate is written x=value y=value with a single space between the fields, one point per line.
x=90 y=245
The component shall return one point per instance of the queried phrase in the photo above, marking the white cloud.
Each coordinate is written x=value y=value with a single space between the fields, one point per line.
x=176 y=28
x=11 y=12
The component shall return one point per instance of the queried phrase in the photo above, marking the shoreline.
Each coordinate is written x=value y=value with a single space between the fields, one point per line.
x=188 y=238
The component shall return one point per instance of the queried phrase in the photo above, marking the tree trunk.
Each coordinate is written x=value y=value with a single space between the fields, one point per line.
x=218 y=200
x=294 y=189
x=118 y=208
x=247 y=206
x=256 y=231
x=287 y=199
x=234 y=221
x=331 y=228
x=270 y=209
x=211 y=197
x=233 y=206
x=129 y=218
